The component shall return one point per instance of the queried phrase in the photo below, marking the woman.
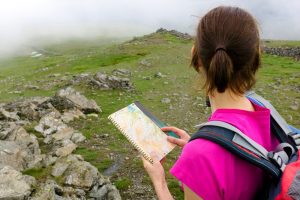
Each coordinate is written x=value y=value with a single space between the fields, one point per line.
x=227 y=52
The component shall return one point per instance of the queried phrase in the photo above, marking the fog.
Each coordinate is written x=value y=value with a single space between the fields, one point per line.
x=27 y=23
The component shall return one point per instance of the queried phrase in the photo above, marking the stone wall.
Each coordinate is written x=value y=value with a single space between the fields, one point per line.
x=284 y=51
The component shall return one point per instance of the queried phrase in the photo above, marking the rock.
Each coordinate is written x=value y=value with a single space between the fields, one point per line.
x=294 y=107
x=49 y=124
x=72 y=193
x=67 y=148
x=29 y=146
x=10 y=116
x=14 y=185
x=68 y=98
x=121 y=72
x=29 y=109
x=15 y=92
x=49 y=160
x=92 y=115
x=11 y=154
x=81 y=78
x=62 y=134
x=105 y=192
x=158 y=75
x=48 y=190
x=166 y=100
x=54 y=75
x=20 y=150
x=6 y=128
x=70 y=115
x=147 y=78
x=59 y=168
x=145 y=63
x=78 y=137
x=104 y=81
x=32 y=87
x=80 y=174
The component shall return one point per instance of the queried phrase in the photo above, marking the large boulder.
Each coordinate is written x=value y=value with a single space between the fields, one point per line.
x=68 y=98
x=79 y=173
x=14 y=185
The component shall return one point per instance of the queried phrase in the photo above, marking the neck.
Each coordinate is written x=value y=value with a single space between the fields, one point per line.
x=229 y=100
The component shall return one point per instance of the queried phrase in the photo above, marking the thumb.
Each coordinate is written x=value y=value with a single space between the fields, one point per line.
x=154 y=155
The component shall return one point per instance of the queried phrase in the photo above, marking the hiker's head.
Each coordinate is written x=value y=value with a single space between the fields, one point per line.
x=227 y=50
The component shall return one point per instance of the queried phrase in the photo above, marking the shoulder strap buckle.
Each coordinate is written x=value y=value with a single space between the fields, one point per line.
x=281 y=156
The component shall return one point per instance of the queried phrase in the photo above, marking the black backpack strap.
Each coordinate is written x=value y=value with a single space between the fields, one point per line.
x=227 y=139
x=279 y=127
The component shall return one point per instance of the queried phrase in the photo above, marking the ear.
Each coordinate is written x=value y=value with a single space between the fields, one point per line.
x=196 y=61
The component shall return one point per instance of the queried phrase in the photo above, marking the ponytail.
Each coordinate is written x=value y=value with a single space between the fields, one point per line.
x=219 y=72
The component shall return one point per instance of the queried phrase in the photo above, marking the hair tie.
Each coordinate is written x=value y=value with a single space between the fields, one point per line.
x=220 y=48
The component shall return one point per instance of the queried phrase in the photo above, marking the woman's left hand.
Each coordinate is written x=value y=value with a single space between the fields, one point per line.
x=155 y=170
x=157 y=175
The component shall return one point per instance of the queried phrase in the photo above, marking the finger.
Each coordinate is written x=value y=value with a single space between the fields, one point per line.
x=177 y=131
x=163 y=160
x=176 y=141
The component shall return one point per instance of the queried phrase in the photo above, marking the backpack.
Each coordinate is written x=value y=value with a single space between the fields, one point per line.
x=282 y=165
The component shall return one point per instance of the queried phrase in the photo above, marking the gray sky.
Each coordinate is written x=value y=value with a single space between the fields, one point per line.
x=22 y=22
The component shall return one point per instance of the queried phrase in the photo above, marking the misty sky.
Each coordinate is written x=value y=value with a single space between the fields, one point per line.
x=23 y=22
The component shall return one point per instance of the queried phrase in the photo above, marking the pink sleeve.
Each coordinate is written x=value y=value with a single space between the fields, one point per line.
x=198 y=169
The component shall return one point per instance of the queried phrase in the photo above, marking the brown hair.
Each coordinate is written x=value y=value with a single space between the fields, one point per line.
x=227 y=48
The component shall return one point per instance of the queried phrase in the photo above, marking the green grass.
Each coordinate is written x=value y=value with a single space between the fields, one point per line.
x=38 y=173
x=123 y=183
x=281 y=43
x=168 y=55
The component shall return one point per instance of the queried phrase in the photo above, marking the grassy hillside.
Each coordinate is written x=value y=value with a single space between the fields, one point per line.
x=106 y=148
x=281 y=43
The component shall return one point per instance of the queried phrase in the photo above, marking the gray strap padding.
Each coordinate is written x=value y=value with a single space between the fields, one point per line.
x=277 y=117
x=240 y=138
x=296 y=138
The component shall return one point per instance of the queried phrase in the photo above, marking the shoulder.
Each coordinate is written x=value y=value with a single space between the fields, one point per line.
x=200 y=148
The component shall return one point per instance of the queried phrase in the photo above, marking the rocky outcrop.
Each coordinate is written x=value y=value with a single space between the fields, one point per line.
x=75 y=173
x=293 y=52
x=178 y=34
x=70 y=177
x=29 y=109
x=118 y=80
